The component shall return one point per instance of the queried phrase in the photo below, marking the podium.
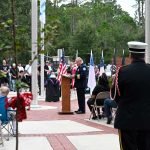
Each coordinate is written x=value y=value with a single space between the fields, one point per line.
x=65 y=92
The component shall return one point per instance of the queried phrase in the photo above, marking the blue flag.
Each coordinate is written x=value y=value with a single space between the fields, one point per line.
x=101 y=65
x=42 y=11
x=91 y=77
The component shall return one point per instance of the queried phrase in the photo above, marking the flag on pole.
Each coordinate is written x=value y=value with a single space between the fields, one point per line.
x=114 y=57
x=62 y=67
x=113 y=67
x=91 y=77
x=76 y=53
x=42 y=11
x=102 y=70
x=123 y=58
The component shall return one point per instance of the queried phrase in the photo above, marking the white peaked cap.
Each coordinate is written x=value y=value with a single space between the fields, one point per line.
x=137 y=47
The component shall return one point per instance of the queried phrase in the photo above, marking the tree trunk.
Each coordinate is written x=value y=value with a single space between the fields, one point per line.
x=15 y=51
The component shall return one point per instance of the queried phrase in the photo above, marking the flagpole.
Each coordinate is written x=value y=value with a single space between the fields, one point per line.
x=42 y=19
x=42 y=62
x=147 y=30
x=102 y=54
x=76 y=53
x=34 y=28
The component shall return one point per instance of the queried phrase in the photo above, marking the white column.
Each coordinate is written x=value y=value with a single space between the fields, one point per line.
x=147 y=30
x=34 y=22
x=42 y=61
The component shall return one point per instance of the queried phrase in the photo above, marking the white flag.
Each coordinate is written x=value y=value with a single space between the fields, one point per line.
x=91 y=77
x=42 y=11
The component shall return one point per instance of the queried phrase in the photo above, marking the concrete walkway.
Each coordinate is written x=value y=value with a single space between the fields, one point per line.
x=45 y=129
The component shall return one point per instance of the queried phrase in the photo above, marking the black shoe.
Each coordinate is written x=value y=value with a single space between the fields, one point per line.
x=103 y=115
x=109 y=119
x=99 y=116
x=94 y=118
x=79 y=112
x=76 y=111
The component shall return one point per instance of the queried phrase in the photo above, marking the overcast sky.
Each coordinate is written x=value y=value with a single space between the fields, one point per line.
x=127 y=6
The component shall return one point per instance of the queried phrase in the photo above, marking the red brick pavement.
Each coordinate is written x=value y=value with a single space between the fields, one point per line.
x=59 y=141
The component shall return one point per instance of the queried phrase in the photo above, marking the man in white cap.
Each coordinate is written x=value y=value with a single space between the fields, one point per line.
x=131 y=91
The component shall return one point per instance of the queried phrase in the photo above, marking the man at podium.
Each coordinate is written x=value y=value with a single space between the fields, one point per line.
x=80 y=84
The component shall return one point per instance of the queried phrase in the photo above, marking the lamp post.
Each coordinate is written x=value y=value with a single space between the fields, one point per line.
x=34 y=23
x=147 y=30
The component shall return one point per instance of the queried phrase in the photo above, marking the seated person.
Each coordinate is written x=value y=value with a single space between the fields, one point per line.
x=52 y=89
x=102 y=86
x=4 y=91
x=108 y=105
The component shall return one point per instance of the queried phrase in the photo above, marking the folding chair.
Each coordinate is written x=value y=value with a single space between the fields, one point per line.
x=1 y=134
x=6 y=119
x=96 y=108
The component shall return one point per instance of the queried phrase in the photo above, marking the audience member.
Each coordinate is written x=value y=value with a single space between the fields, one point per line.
x=20 y=68
x=14 y=72
x=28 y=73
x=52 y=89
x=108 y=105
x=46 y=71
x=4 y=68
x=101 y=86
x=4 y=91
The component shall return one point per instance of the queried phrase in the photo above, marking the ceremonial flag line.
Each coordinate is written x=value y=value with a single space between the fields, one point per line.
x=91 y=77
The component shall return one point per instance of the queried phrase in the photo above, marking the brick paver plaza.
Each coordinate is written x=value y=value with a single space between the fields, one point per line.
x=45 y=129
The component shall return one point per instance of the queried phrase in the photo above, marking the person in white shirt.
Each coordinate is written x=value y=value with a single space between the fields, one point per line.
x=20 y=68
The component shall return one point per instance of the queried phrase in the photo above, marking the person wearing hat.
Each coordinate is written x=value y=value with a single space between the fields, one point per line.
x=131 y=91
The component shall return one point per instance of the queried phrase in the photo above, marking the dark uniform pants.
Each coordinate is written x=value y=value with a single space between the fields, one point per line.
x=81 y=99
x=134 y=140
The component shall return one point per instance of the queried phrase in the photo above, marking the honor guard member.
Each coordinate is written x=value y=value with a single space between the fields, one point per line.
x=80 y=84
x=131 y=91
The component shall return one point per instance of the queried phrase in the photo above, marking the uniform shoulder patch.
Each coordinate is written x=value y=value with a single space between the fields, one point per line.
x=84 y=68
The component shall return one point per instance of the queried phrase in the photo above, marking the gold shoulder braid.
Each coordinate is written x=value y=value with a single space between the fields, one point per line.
x=115 y=84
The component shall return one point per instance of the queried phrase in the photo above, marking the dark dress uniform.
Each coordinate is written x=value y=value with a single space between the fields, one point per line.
x=133 y=113
x=81 y=84
x=52 y=90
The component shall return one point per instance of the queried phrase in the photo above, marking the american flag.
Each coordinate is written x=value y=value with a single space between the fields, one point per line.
x=62 y=67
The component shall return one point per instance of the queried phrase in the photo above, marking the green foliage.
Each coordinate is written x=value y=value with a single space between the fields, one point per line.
x=93 y=25
x=2 y=74
x=20 y=84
